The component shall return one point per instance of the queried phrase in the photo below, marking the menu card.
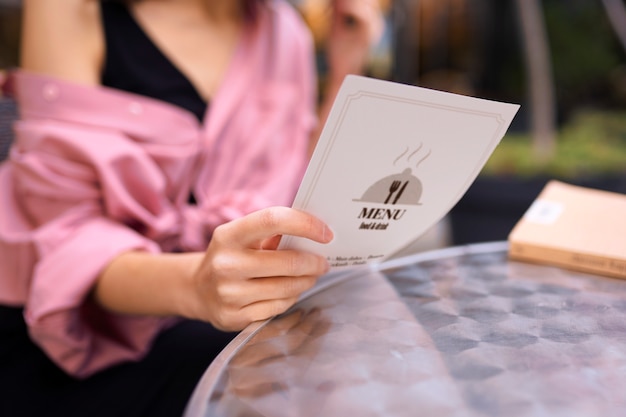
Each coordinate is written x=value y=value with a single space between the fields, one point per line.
x=391 y=161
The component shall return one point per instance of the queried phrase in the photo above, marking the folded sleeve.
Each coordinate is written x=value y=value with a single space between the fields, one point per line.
x=83 y=196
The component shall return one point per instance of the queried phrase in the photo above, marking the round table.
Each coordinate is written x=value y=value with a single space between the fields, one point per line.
x=461 y=331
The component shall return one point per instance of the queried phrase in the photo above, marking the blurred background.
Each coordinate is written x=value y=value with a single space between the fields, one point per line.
x=564 y=61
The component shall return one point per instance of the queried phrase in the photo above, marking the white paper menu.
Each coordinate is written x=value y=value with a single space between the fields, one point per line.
x=391 y=161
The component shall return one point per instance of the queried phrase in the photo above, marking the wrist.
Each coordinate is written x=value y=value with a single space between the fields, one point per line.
x=187 y=301
x=141 y=283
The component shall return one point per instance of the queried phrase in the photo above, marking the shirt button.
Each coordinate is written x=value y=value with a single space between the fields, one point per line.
x=135 y=108
x=50 y=92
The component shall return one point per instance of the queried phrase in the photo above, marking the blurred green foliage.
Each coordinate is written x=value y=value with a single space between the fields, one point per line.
x=588 y=62
x=589 y=67
x=592 y=144
x=585 y=51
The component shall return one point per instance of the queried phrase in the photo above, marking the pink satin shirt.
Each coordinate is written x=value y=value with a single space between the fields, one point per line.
x=95 y=172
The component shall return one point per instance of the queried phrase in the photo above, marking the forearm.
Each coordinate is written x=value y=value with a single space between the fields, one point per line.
x=241 y=278
x=146 y=284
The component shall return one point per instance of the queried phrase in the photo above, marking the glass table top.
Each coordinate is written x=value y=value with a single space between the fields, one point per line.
x=455 y=332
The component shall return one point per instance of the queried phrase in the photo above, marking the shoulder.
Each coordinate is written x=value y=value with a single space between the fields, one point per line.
x=62 y=38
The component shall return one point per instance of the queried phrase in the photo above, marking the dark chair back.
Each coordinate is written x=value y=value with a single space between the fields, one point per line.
x=8 y=114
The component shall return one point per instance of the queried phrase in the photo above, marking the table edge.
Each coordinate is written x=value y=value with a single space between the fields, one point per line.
x=197 y=404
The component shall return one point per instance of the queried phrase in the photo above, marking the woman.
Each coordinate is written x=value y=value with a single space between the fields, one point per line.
x=159 y=143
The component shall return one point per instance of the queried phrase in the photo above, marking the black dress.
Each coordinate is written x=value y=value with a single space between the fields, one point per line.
x=135 y=64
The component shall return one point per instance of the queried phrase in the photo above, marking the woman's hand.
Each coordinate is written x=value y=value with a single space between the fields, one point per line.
x=240 y=278
x=356 y=25
x=243 y=278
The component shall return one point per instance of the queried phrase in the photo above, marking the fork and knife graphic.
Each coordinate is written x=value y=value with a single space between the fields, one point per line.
x=395 y=186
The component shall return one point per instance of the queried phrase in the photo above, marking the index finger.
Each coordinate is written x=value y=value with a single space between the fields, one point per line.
x=252 y=229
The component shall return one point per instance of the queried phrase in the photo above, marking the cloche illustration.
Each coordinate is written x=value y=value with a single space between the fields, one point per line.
x=403 y=188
